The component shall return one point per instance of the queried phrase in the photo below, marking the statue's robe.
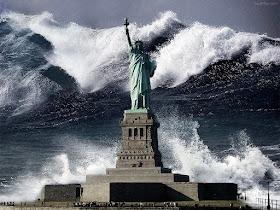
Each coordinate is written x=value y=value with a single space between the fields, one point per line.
x=141 y=69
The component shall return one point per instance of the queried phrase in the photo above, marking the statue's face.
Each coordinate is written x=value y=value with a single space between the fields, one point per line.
x=139 y=46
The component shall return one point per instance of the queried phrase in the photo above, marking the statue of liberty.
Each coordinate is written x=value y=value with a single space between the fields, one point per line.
x=141 y=69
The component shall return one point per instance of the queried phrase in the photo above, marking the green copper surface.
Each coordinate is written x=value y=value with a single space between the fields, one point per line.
x=141 y=69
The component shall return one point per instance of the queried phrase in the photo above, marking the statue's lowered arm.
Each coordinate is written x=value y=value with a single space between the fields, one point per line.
x=127 y=33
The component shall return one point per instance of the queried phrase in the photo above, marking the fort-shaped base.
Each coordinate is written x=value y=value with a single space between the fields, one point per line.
x=139 y=175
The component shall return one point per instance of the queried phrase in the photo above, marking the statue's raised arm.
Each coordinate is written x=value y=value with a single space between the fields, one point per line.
x=126 y=23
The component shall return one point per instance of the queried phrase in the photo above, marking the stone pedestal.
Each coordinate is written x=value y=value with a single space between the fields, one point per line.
x=139 y=141
x=139 y=175
x=139 y=160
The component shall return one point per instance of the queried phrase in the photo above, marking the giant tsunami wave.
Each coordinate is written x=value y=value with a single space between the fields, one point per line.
x=91 y=59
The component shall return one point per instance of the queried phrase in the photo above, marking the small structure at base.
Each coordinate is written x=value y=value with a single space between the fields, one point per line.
x=139 y=175
x=59 y=193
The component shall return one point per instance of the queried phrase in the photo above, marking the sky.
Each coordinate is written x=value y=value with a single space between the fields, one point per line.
x=256 y=16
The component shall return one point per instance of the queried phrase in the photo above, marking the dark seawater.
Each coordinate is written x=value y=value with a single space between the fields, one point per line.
x=64 y=89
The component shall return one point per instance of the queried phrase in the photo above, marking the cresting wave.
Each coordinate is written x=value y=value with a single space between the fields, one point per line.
x=182 y=150
x=197 y=46
x=97 y=57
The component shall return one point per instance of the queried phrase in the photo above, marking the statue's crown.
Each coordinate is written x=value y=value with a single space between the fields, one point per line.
x=138 y=41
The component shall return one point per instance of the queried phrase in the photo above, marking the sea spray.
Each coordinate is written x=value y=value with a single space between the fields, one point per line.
x=80 y=158
x=242 y=163
x=182 y=149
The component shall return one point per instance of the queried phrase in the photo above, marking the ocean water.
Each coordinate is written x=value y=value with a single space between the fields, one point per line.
x=64 y=89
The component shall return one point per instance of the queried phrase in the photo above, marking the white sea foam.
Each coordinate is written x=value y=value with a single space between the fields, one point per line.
x=270 y=54
x=187 y=154
x=197 y=46
x=71 y=166
x=20 y=85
